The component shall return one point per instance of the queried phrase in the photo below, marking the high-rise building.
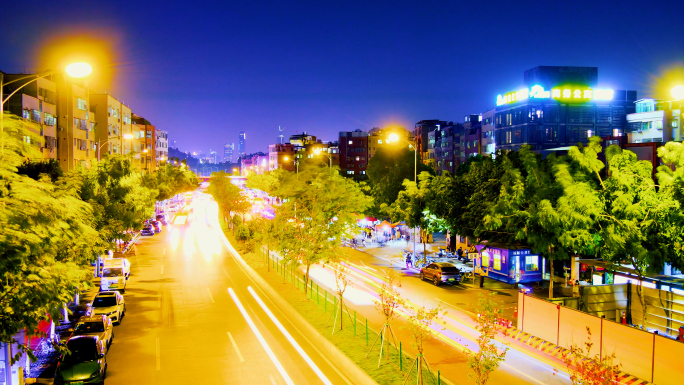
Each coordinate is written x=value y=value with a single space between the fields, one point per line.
x=228 y=149
x=560 y=107
x=242 y=139
x=420 y=134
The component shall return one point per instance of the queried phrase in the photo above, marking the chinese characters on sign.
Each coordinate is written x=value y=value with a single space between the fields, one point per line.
x=563 y=93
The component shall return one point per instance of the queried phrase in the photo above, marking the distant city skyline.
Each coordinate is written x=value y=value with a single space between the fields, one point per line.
x=325 y=69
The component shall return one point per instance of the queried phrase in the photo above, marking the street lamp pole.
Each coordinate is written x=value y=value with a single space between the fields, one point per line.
x=396 y=138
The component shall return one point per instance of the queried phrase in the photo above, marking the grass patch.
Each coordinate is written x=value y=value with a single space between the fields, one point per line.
x=317 y=306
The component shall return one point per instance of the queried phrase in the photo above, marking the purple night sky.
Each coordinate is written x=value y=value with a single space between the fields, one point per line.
x=206 y=70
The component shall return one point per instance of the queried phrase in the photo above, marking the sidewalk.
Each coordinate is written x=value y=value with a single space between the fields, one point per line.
x=392 y=256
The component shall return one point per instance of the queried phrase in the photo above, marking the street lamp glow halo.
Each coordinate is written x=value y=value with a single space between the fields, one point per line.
x=78 y=69
x=678 y=92
x=393 y=137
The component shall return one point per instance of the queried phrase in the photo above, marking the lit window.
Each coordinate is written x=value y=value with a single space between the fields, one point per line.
x=531 y=263
x=485 y=260
x=590 y=133
x=497 y=262
x=379 y=141
x=82 y=105
x=351 y=142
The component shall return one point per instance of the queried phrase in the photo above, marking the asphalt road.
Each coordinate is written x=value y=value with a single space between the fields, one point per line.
x=191 y=319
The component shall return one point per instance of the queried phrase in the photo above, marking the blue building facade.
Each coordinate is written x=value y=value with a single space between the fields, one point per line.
x=510 y=264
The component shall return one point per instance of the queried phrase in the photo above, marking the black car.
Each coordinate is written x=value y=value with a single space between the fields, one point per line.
x=85 y=363
x=441 y=272
x=148 y=229
x=161 y=218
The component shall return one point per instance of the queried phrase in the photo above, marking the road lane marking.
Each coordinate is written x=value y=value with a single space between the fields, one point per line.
x=232 y=341
x=287 y=335
x=261 y=339
x=158 y=355
x=211 y=297
x=162 y=270
x=224 y=272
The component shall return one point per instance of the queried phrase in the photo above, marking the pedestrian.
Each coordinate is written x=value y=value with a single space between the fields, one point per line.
x=576 y=289
x=409 y=262
x=460 y=253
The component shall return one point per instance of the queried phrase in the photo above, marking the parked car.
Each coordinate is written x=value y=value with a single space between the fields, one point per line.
x=148 y=229
x=161 y=218
x=119 y=261
x=85 y=363
x=99 y=326
x=157 y=226
x=110 y=304
x=113 y=278
x=441 y=272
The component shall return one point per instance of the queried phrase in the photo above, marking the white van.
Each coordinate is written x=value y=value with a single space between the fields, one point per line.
x=113 y=276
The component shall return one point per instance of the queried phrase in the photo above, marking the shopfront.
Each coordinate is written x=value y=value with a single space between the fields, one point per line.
x=509 y=265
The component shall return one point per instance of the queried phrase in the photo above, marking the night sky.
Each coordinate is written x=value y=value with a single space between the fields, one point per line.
x=206 y=70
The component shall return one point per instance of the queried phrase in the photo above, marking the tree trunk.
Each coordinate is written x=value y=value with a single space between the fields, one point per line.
x=306 y=279
x=341 y=311
x=424 y=237
x=551 y=278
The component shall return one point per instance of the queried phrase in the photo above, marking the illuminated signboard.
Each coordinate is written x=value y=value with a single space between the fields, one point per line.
x=563 y=93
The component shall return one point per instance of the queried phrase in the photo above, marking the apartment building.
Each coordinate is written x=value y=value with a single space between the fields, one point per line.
x=36 y=104
x=353 y=153
x=147 y=138
x=281 y=156
x=114 y=125
x=77 y=144
x=162 y=146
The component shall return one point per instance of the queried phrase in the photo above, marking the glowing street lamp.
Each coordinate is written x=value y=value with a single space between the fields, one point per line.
x=78 y=70
x=678 y=92
x=318 y=151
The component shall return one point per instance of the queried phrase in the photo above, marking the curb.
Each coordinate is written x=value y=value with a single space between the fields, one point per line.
x=350 y=369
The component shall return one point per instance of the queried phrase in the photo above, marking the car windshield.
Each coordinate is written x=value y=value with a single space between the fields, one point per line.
x=112 y=272
x=81 y=350
x=449 y=269
x=104 y=301
x=89 y=327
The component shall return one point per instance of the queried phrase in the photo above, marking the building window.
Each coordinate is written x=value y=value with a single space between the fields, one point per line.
x=26 y=114
x=485 y=260
x=531 y=263
x=497 y=262
x=351 y=142
x=50 y=119
x=350 y=172
x=82 y=105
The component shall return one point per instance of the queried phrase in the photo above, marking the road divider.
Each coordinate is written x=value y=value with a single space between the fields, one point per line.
x=232 y=341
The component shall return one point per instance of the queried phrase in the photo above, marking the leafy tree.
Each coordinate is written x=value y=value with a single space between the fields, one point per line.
x=387 y=170
x=488 y=357
x=170 y=180
x=34 y=169
x=463 y=200
x=590 y=370
x=420 y=324
x=47 y=240
x=390 y=301
x=319 y=209
x=671 y=179
x=228 y=196
x=342 y=281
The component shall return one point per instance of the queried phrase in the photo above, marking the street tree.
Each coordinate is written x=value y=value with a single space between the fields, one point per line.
x=390 y=302
x=387 y=170
x=488 y=357
x=420 y=325
x=47 y=240
x=585 y=369
x=169 y=180
x=228 y=196
x=342 y=281
x=320 y=209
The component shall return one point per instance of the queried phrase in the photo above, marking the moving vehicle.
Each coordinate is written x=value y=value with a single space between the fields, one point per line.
x=85 y=363
x=99 y=326
x=113 y=278
x=148 y=229
x=110 y=304
x=441 y=272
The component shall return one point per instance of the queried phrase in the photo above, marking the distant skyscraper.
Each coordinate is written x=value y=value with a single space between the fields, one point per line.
x=228 y=152
x=242 y=144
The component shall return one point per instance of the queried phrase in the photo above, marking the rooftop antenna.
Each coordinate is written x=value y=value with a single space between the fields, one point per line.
x=281 y=134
